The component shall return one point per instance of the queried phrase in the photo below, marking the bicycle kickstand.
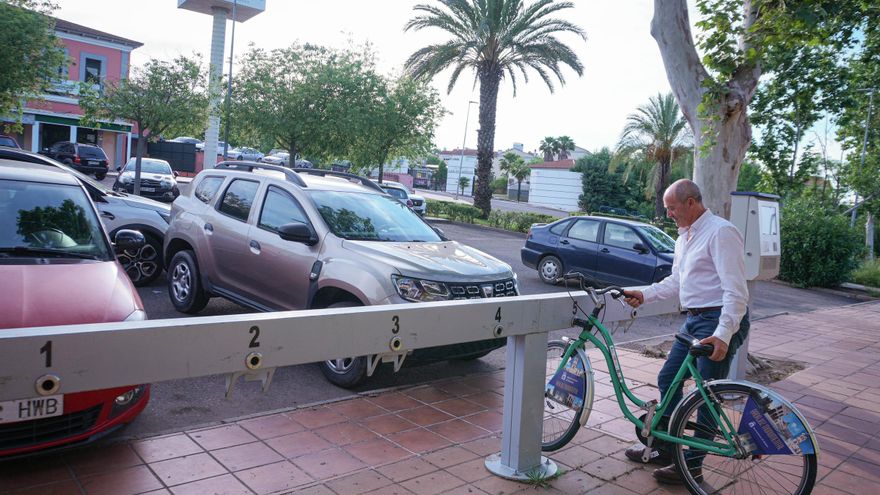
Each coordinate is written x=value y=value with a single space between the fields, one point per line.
x=651 y=406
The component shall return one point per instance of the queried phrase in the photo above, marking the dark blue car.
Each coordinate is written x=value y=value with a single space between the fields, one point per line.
x=614 y=251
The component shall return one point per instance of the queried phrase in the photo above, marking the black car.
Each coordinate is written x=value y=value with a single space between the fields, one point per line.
x=86 y=158
x=613 y=251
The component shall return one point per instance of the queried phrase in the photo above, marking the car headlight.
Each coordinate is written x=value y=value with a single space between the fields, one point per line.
x=167 y=183
x=126 y=179
x=417 y=290
x=124 y=401
x=137 y=315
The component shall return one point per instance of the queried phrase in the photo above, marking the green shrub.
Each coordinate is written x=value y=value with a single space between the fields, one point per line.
x=867 y=274
x=517 y=221
x=499 y=185
x=819 y=248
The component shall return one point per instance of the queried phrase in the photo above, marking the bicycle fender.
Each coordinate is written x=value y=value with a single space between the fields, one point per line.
x=771 y=425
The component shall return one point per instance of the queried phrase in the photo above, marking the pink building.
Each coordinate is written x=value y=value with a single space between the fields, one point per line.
x=94 y=56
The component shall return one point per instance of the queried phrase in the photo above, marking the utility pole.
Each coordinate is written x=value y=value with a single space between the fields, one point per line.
x=229 y=85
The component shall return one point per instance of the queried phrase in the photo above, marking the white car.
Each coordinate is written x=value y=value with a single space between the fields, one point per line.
x=243 y=153
x=282 y=159
x=158 y=180
x=418 y=202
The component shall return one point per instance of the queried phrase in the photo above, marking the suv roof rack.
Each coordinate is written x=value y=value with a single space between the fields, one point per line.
x=321 y=172
x=249 y=166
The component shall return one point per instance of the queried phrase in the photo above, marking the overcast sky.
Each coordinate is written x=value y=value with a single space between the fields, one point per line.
x=622 y=62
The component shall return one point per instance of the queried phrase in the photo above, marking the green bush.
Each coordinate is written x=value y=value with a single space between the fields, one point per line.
x=819 y=248
x=517 y=221
x=499 y=185
x=867 y=274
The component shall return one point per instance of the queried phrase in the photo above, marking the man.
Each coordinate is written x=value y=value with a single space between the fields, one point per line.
x=708 y=276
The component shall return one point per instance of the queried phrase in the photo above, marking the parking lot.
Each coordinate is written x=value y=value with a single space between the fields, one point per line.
x=182 y=404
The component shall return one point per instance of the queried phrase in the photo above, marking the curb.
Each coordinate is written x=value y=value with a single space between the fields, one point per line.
x=834 y=292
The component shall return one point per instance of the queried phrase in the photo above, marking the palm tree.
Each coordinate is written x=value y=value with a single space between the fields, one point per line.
x=496 y=39
x=656 y=134
x=463 y=183
x=564 y=144
x=515 y=167
x=548 y=146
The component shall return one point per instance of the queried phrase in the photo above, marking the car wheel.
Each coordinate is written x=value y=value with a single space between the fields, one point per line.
x=550 y=269
x=185 y=285
x=100 y=175
x=345 y=372
x=143 y=265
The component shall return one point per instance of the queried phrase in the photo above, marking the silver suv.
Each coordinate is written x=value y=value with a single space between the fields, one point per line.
x=272 y=238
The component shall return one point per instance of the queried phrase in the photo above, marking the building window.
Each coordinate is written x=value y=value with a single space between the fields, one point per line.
x=93 y=71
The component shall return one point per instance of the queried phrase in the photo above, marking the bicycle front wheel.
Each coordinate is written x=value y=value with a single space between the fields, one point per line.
x=760 y=472
x=562 y=417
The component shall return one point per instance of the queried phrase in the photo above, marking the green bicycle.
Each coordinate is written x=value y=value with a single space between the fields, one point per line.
x=725 y=436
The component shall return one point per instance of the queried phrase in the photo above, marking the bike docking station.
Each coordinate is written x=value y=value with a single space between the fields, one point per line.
x=756 y=215
x=50 y=361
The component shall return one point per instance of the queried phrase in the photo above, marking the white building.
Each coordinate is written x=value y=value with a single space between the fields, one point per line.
x=460 y=164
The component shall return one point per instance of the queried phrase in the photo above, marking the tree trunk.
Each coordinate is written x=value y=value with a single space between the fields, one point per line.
x=518 y=190
x=716 y=169
x=797 y=141
x=490 y=78
x=292 y=152
x=139 y=154
x=660 y=188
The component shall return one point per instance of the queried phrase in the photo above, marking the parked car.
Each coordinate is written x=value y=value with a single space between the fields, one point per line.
x=613 y=251
x=186 y=139
x=158 y=181
x=418 y=202
x=274 y=239
x=86 y=158
x=8 y=141
x=58 y=268
x=281 y=159
x=243 y=153
x=119 y=211
x=200 y=146
x=404 y=197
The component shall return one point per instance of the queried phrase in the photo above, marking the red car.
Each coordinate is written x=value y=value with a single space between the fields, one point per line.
x=58 y=267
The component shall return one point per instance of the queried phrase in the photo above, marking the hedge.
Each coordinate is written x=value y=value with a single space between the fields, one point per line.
x=508 y=220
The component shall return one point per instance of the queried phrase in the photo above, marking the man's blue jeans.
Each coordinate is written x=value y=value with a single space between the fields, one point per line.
x=700 y=326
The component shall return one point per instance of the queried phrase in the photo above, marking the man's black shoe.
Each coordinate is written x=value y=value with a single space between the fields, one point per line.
x=635 y=452
x=669 y=475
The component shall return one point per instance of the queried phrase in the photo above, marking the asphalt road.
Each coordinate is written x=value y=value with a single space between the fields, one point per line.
x=184 y=404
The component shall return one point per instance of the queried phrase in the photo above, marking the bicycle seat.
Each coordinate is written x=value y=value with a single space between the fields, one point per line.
x=694 y=346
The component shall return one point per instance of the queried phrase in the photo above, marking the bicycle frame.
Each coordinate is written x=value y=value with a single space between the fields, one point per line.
x=606 y=346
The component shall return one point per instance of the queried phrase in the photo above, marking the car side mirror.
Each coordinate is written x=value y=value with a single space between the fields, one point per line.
x=641 y=248
x=128 y=239
x=297 y=232
x=176 y=175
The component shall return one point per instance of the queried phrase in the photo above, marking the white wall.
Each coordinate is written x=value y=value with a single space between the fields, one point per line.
x=554 y=188
x=468 y=169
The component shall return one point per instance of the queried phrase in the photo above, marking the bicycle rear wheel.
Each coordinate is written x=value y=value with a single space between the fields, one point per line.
x=562 y=418
x=761 y=472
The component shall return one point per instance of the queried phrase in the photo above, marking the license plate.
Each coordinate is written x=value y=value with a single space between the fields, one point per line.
x=148 y=189
x=12 y=411
x=92 y=162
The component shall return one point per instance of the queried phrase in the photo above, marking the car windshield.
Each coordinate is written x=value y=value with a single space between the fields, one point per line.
x=92 y=152
x=397 y=193
x=659 y=240
x=149 y=167
x=49 y=220
x=371 y=217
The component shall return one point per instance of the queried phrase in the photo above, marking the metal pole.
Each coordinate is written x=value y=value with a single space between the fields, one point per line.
x=852 y=221
x=463 y=142
x=229 y=86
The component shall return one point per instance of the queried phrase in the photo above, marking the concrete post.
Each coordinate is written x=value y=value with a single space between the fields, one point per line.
x=215 y=73
x=128 y=152
x=35 y=137
x=740 y=363
x=73 y=129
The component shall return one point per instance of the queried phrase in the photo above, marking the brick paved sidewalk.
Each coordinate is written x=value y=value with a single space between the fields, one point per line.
x=433 y=439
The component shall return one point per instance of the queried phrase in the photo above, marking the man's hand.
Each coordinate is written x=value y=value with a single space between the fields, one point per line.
x=634 y=298
x=720 y=348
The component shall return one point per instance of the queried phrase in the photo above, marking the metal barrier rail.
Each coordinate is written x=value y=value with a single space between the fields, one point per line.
x=65 y=359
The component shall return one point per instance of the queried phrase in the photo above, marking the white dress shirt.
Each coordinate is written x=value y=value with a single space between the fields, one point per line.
x=708 y=270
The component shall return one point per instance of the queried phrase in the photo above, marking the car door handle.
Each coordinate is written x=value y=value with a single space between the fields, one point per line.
x=255 y=245
x=209 y=227
x=604 y=250
x=108 y=215
x=564 y=242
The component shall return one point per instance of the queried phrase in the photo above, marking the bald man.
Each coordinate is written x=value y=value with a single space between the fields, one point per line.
x=708 y=276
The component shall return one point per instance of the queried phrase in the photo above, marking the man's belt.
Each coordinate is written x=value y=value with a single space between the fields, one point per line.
x=697 y=311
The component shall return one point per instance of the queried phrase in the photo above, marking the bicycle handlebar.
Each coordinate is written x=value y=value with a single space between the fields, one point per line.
x=616 y=292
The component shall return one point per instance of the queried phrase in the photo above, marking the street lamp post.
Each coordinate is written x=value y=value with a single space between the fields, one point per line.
x=463 y=143
x=229 y=84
